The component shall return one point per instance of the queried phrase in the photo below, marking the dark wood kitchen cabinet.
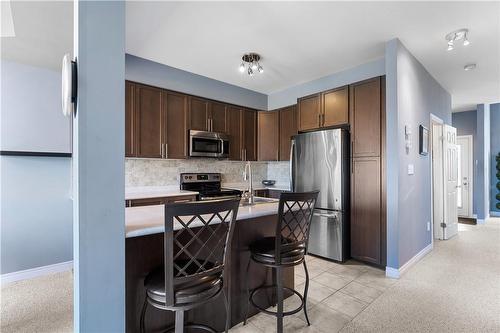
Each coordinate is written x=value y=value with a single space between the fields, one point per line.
x=325 y=109
x=309 y=112
x=335 y=107
x=366 y=210
x=234 y=131
x=268 y=123
x=218 y=117
x=150 y=124
x=368 y=195
x=198 y=114
x=365 y=108
x=249 y=135
x=176 y=120
x=287 y=129
x=130 y=149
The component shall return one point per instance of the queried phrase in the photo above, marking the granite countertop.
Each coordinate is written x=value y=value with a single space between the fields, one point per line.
x=146 y=220
x=145 y=192
x=257 y=186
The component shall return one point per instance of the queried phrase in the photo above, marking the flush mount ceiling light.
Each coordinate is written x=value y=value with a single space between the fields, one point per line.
x=470 y=67
x=457 y=35
x=250 y=64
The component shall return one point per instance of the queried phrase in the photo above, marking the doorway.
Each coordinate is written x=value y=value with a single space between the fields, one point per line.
x=465 y=168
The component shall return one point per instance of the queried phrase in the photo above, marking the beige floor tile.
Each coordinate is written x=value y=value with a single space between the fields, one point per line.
x=375 y=279
x=347 y=272
x=331 y=280
x=327 y=320
x=268 y=324
x=248 y=328
x=299 y=279
x=345 y=304
x=361 y=292
x=317 y=292
x=300 y=326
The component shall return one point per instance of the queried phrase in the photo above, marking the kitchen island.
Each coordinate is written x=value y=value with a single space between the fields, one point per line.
x=144 y=252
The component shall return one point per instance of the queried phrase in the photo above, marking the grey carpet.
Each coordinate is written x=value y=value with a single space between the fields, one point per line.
x=455 y=288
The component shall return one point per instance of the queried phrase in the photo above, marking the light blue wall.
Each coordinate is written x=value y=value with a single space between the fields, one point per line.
x=483 y=161
x=412 y=95
x=31 y=105
x=99 y=168
x=36 y=212
x=495 y=149
x=159 y=75
x=362 y=72
x=36 y=218
x=466 y=124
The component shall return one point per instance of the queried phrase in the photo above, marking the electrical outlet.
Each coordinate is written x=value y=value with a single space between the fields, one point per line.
x=428 y=226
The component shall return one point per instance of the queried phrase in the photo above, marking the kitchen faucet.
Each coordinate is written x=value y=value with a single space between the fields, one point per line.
x=247 y=176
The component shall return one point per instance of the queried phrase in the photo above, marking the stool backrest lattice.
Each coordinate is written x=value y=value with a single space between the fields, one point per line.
x=197 y=241
x=294 y=220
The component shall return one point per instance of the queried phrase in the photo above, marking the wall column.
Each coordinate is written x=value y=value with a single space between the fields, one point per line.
x=98 y=167
x=482 y=164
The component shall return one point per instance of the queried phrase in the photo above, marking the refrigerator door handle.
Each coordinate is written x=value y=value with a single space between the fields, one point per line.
x=330 y=216
x=292 y=147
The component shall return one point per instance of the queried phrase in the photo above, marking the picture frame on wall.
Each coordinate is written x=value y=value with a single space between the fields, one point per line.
x=423 y=140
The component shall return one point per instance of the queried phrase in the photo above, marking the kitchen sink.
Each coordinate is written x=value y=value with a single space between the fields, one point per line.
x=257 y=201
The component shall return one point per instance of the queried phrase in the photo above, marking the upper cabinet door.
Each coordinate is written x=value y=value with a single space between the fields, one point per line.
x=198 y=114
x=249 y=135
x=335 y=107
x=130 y=149
x=234 y=130
x=288 y=128
x=150 y=122
x=218 y=117
x=309 y=112
x=365 y=109
x=268 y=135
x=176 y=133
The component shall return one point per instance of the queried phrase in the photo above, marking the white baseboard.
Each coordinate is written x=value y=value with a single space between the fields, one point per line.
x=494 y=214
x=37 y=271
x=395 y=273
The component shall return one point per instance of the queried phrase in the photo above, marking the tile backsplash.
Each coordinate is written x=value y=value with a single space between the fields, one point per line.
x=152 y=172
x=279 y=171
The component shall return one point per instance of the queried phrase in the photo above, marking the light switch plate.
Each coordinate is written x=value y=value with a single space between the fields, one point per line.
x=411 y=169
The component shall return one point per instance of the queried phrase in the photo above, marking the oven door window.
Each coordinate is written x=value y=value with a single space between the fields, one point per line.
x=202 y=145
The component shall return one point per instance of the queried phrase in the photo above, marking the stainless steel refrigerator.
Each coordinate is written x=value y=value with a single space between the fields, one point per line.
x=320 y=161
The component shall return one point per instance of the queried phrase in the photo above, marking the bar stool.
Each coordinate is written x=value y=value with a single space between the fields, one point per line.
x=287 y=248
x=197 y=246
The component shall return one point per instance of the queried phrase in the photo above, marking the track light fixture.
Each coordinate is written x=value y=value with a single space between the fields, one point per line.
x=250 y=63
x=457 y=35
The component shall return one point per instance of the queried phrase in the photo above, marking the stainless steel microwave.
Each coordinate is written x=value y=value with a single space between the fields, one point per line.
x=208 y=144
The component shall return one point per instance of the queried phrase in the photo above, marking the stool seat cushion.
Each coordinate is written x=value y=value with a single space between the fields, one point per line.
x=263 y=251
x=193 y=291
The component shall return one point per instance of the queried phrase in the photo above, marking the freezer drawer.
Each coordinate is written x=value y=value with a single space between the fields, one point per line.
x=326 y=235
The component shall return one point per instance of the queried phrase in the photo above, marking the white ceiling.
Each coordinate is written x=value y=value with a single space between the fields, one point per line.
x=302 y=41
x=298 y=41
x=43 y=33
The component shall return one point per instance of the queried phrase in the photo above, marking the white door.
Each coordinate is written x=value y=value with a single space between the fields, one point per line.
x=464 y=194
x=437 y=179
x=450 y=176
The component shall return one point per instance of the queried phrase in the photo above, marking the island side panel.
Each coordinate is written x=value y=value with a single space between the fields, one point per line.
x=144 y=253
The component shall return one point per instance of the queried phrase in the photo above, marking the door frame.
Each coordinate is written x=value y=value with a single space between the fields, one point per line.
x=438 y=121
x=469 y=138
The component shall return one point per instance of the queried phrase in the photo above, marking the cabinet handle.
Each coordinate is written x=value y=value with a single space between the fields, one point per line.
x=161 y=150
x=166 y=150
x=211 y=124
x=352 y=156
x=323 y=117
x=319 y=120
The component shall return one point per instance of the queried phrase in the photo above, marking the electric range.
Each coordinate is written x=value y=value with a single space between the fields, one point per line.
x=208 y=185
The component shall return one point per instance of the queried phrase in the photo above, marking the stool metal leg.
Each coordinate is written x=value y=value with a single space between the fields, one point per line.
x=143 y=314
x=279 y=278
x=248 y=291
x=305 y=292
x=179 y=321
